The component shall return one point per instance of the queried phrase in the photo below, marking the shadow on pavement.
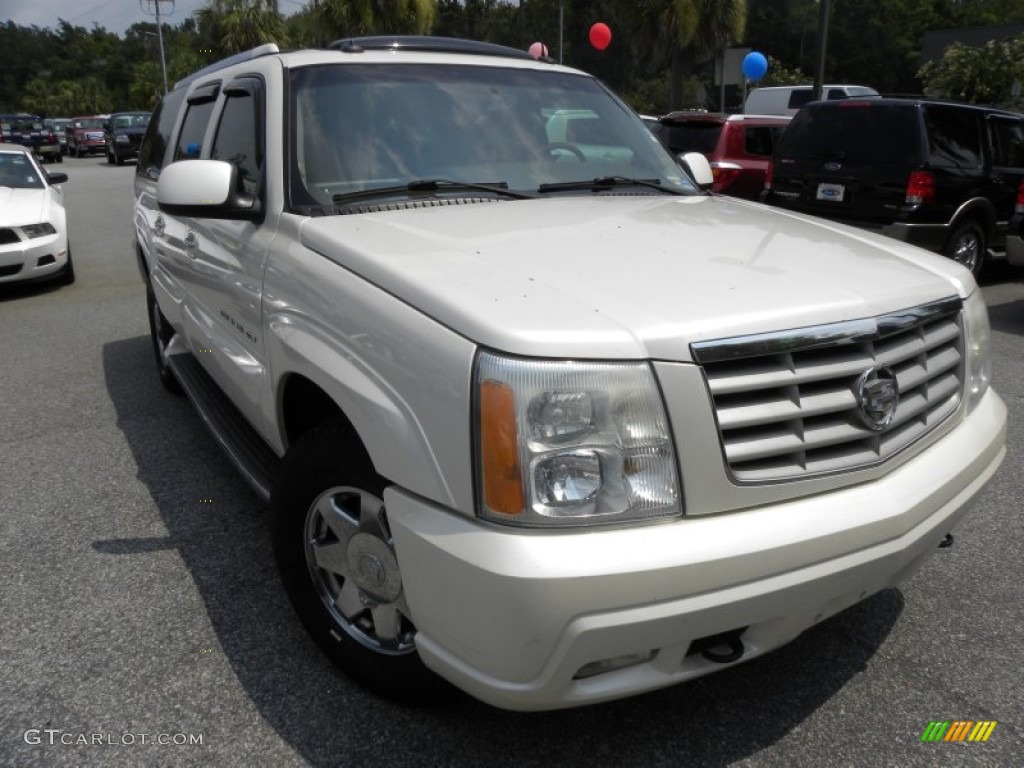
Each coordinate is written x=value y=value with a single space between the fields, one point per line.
x=328 y=720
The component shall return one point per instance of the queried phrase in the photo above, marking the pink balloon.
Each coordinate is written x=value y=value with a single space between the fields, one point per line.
x=600 y=36
x=538 y=49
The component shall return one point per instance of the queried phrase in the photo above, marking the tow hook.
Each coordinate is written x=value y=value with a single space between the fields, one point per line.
x=947 y=542
x=723 y=648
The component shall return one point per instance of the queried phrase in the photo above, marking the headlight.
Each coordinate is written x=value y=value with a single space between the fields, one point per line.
x=38 y=230
x=563 y=443
x=121 y=138
x=979 y=355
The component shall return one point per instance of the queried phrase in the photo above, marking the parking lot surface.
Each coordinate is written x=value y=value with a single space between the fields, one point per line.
x=143 y=622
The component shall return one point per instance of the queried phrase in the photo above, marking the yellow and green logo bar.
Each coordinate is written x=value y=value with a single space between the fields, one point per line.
x=958 y=730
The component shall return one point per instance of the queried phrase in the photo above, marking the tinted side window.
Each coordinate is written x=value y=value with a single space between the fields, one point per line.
x=158 y=135
x=190 y=140
x=1007 y=138
x=238 y=140
x=200 y=107
x=954 y=138
x=798 y=98
x=690 y=137
x=759 y=140
x=865 y=133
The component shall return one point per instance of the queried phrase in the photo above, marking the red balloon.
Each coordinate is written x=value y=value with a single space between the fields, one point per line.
x=600 y=36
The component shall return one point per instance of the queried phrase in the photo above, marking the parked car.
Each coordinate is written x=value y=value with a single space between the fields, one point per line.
x=29 y=131
x=58 y=125
x=580 y=135
x=122 y=135
x=555 y=425
x=739 y=147
x=85 y=135
x=944 y=176
x=788 y=99
x=33 y=224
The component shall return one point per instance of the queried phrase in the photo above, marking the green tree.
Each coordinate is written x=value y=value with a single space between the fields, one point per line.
x=988 y=74
x=324 y=21
x=231 y=26
x=686 y=33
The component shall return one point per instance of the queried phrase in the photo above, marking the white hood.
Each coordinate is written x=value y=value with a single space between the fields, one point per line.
x=628 y=277
x=22 y=206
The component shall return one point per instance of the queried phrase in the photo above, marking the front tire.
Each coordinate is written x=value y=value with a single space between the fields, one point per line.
x=338 y=563
x=967 y=246
x=161 y=333
x=67 y=275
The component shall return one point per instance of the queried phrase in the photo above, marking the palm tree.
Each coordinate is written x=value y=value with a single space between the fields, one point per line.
x=231 y=26
x=350 y=18
x=687 y=33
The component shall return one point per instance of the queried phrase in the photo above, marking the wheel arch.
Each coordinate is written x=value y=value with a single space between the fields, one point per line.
x=321 y=382
x=979 y=210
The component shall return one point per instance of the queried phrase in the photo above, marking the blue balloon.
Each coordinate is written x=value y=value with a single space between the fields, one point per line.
x=755 y=66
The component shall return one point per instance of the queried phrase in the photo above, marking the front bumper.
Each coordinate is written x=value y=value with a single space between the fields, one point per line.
x=513 y=616
x=31 y=259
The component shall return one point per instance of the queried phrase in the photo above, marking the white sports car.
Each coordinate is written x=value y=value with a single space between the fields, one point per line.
x=33 y=224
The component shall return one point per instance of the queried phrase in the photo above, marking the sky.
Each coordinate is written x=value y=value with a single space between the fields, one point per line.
x=114 y=15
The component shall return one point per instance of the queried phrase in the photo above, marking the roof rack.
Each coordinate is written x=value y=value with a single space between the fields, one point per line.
x=254 y=53
x=425 y=43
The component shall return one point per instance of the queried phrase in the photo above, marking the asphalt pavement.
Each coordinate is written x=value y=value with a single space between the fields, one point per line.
x=142 y=621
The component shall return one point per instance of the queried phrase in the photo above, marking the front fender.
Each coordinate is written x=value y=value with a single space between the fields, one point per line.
x=380 y=404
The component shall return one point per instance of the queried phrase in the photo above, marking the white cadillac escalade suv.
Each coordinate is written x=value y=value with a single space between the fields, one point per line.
x=533 y=410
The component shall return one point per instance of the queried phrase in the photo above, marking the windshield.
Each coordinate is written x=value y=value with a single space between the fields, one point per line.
x=130 y=121
x=360 y=127
x=17 y=171
x=22 y=124
x=89 y=122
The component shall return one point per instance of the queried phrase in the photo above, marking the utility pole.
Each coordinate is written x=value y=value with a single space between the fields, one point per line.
x=561 y=26
x=819 y=76
x=159 y=31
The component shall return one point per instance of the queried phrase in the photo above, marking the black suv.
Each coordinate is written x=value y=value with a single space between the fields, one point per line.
x=940 y=175
x=122 y=135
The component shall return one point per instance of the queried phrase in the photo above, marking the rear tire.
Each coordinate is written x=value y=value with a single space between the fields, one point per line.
x=337 y=561
x=967 y=246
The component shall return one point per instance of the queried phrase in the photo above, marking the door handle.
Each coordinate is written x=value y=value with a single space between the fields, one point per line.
x=191 y=243
x=159 y=226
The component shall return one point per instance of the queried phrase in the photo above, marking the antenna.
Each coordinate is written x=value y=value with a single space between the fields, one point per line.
x=155 y=5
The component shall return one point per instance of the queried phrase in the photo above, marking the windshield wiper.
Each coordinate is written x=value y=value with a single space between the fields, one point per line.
x=606 y=182
x=432 y=185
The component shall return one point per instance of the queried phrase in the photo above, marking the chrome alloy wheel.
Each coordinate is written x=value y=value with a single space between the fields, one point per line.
x=351 y=560
x=966 y=250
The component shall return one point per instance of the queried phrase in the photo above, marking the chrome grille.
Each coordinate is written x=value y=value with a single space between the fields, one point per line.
x=786 y=403
x=8 y=236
